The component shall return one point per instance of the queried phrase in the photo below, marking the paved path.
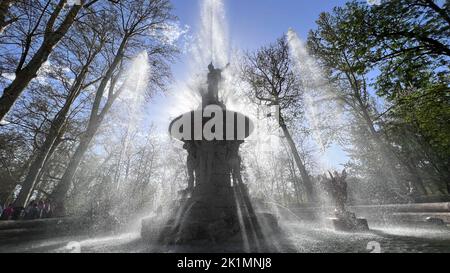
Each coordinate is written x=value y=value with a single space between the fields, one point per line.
x=305 y=238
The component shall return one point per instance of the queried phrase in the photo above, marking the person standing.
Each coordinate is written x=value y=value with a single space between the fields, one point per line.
x=7 y=213
x=47 y=209
x=40 y=208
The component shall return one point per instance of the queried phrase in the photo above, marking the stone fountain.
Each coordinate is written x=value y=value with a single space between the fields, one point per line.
x=215 y=209
x=344 y=220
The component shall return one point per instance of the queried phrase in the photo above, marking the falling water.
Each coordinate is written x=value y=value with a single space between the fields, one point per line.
x=129 y=123
x=210 y=44
x=212 y=41
x=323 y=112
x=133 y=100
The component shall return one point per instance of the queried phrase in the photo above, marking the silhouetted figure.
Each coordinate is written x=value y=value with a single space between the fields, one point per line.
x=214 y=78
x=235 y=163
x=27 y=211
x=32 y=211
x=192 y=163
x=40 y=207
x=58 y=210
x=7 y=212
x=336 y=188
x=412 y=192
x=47 y=211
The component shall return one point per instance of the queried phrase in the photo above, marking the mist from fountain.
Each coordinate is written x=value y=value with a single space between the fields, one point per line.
x=324 y=113
x=209 y=44
x=133 y=100
x=127 y=133
x=212 y=44
x=322 y=109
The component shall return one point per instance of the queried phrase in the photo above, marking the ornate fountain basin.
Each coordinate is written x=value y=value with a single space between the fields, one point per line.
x=212 y=123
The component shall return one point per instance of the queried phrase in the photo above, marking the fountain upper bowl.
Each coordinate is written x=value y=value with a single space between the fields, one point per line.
x=211 y=124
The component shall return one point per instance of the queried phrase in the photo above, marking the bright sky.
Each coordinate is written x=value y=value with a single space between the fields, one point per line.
x=251 y=24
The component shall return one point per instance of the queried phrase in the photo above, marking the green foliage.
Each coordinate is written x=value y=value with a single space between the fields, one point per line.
x=429 y=113
x=400 y=52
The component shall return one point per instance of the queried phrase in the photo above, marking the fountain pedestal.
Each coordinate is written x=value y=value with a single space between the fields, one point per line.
x=210 y=213
x=217 y=209
x=348 y=222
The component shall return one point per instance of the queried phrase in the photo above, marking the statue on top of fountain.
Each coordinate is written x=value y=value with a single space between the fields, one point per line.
x=214 y=78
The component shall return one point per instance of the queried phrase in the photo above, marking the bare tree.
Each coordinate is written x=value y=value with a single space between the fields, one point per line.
x=37 y=43
x=4 y=11
x=136 y=20
x=273 y=81
x=79 y=54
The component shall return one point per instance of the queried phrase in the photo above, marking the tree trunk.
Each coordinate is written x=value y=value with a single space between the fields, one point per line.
x=59 y=193
x=29 y=72
x=43 y=152
x=47 y=162
x=34 y=170
x=443 y=12
x=386 y=151
x=63 y=186
x=303 y=173
x=37 y=167
x=95 y=119
x=295 y=180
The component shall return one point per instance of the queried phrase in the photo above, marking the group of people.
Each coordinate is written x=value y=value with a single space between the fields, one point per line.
x=35 y=210
x=7 y=212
